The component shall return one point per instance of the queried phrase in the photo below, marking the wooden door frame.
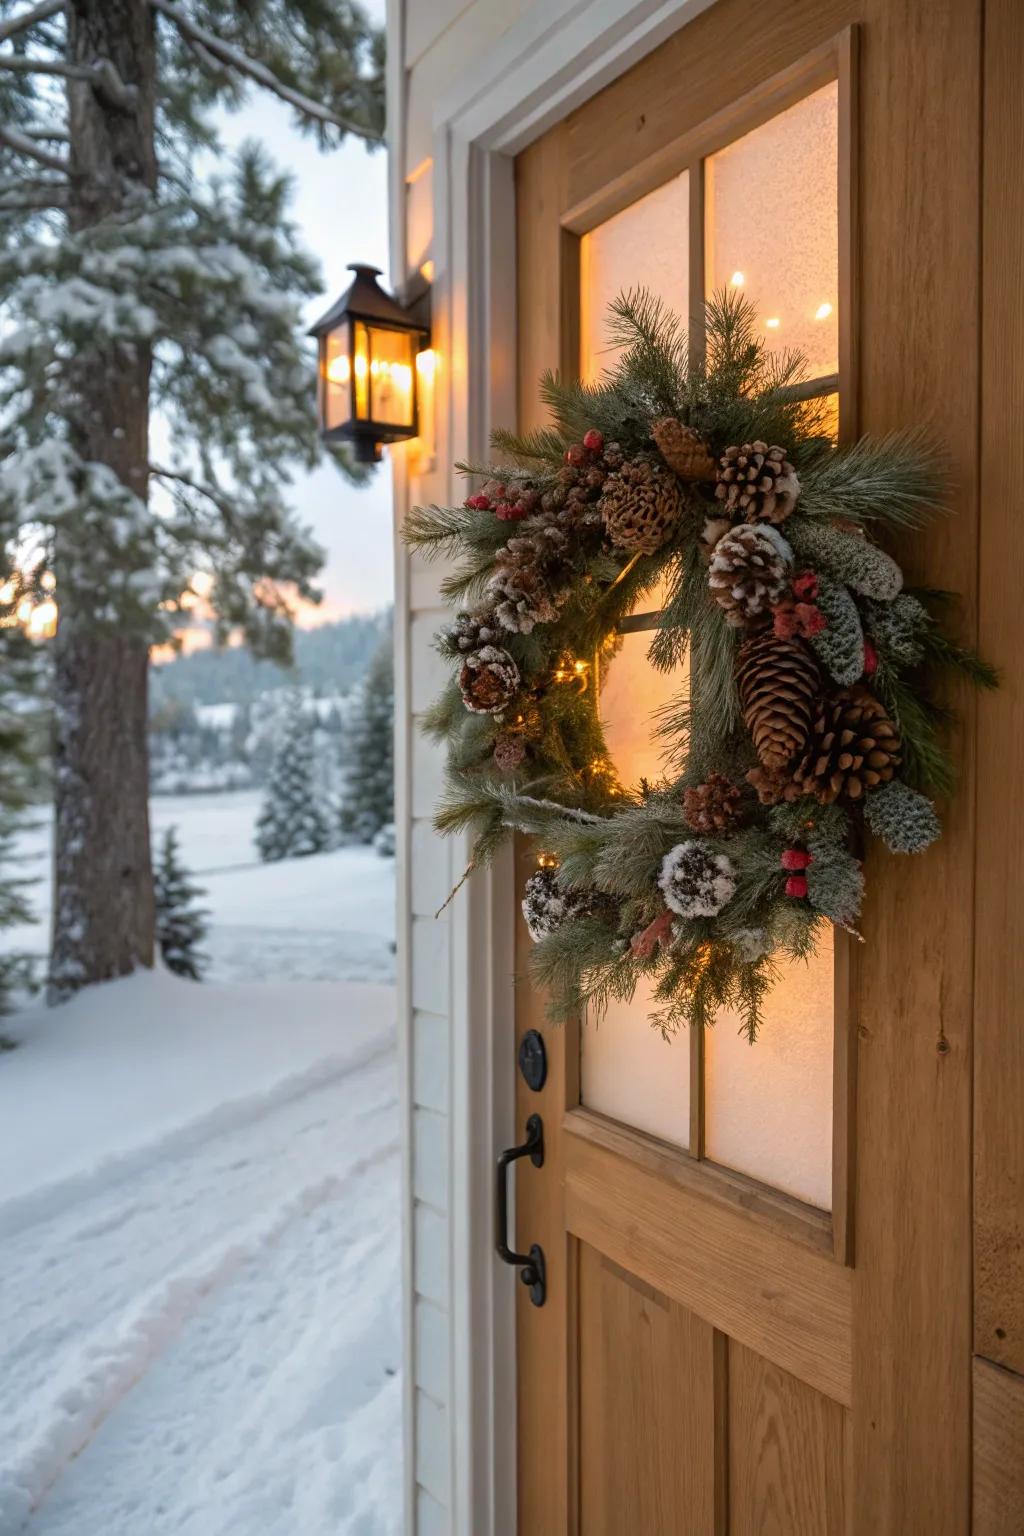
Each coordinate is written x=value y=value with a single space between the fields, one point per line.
x=548 y=64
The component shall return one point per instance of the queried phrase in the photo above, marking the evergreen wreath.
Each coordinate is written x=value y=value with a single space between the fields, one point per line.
x=806 y=718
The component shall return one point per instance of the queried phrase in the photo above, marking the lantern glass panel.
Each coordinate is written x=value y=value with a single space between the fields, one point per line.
x=336 y=379
x=392 y=375
x=361 y=365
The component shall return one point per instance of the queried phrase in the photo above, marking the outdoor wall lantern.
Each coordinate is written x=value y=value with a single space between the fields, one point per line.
x=369 y=345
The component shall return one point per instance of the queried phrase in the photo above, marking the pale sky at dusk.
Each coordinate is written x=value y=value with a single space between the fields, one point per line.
x=340 y=208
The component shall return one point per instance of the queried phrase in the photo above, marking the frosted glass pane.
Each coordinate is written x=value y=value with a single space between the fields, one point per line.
x=631 y=1073
x=772 y=226
x=632 y=693
x=768 y=1106
x=644 y=246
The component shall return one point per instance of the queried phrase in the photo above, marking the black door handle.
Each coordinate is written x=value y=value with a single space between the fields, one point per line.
x=530 y=1265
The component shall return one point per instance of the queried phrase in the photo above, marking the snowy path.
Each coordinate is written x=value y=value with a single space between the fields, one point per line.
x=204 y=1342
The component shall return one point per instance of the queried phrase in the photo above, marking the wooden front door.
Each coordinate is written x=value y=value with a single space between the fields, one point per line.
x=758 y=1313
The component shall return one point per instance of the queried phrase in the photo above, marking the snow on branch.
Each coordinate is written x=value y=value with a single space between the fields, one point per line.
x=101 y=75
x=204 y=41
x=29 y=18
x=22 y=145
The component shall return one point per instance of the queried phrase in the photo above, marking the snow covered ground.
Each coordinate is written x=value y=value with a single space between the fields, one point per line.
x=199 y=1222
x=325 y=918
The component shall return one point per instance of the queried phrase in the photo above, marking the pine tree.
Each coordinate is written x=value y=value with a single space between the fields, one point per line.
x=180 y=924
x=22 y=728
x=291 y=822
x=368 y=802
x=130 y=285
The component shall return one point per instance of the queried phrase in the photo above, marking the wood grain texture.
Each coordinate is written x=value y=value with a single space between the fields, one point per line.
x=789 y=1304
x=647 y=1408
x=999 y=961
x=546 y=1436
x=998 y=1451
x=786 y=1453
x=920 y=104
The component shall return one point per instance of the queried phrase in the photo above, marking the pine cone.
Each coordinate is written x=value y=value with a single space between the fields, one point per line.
x=469 y=631
x=695 y=881
x=749 y=572
x=779 y=685
x=532 y=575
x=854 y=747
x=757 y=483
x=640 y=506
x=509 y=750
x=714 y=806
x=546 y=905
x=683 y=449
x=489 y=680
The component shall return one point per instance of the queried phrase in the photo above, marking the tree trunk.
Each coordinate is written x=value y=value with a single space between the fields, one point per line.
x=103 y=884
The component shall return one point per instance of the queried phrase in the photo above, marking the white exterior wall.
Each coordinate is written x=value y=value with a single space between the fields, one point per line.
x=432 y=44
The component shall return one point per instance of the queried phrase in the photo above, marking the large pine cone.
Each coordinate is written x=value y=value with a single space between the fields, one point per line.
x=489 y=680
x=469 y=631
x=779 y=685
x=713 y=807
x=853 y=748
x=757 y=483
x=532 y=574
x=640 y=506
x=749 y=571
x=683 y=449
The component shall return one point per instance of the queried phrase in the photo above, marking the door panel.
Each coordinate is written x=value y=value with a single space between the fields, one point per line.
x=644 y=1361
x=826 y=1360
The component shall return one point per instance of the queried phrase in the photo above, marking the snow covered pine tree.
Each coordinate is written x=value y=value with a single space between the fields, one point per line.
x=291 y=823
x=22 y=737
x=180 y=923
x=130 y=285
x=368 y=803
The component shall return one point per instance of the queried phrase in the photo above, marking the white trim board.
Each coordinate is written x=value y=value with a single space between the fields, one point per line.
x=557 y=56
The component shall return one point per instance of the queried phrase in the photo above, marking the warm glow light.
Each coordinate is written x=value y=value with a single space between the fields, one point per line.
x=823 y=311
x=42 y=621
x=427 y=271
x=546 y=861
x=426 y=364
x=773 y=323
x=737 y=280
x=338 y=370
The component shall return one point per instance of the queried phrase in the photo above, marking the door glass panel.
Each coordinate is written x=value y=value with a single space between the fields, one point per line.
x=772 y=229
x=772 y=226
x=644 y=246
x=627 y=1070
x=768 y=1106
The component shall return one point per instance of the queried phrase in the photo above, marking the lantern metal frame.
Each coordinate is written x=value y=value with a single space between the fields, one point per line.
x=366 y=303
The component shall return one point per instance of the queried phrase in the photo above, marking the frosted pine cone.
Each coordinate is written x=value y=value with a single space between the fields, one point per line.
x=546 y=905
x=640 y=507
x=489 y=680
x=531 y=576
x=695 y=881
x=683 y=449
x=749 y=572
x=469 y=631
x=509 y=750
x=757 y=483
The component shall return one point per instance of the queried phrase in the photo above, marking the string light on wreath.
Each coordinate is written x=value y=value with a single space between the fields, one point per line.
x=810 y=722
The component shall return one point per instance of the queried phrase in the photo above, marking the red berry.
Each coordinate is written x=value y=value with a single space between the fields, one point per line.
x=479 y=502
x=785 y=621
x=796 y=886
x=805 y=586
x=593 y=441
x=511 y=511
x=810 y=619
x=576 y=455
x=795 y=858
x=870 y=659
